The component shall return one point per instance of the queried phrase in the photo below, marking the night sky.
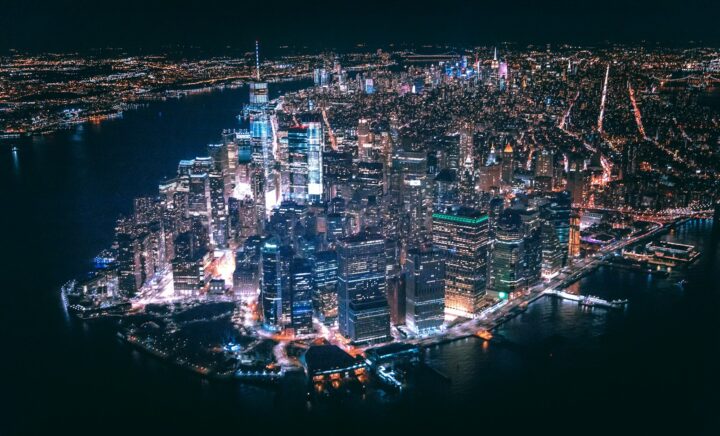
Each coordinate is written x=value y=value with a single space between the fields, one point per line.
x=214 y=24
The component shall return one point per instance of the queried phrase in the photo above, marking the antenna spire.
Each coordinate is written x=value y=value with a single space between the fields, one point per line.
x=257 y=60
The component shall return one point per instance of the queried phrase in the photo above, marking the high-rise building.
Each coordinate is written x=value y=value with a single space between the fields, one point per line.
x=325 y=298
x=218 y=212
x=578 y=181
x=298 y=164
x=461 y=234
x=128 y=259
x=508 y=260
x=424 y=290
x=264 y=178
x=574 y=236
x=191 y=259
x=315 y=138
x=544 y=166
x=258 y=88
x=557 y=213
x=508 y=164
x=365 y=139
x=246 y=277
x=275 y=290
x=304 y=160
x=544 y=171
x=363 y=313
x=552 y=252
x=532 y=238
x=301 y=289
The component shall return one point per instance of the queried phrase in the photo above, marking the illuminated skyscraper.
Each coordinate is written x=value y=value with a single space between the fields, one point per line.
x=425 y=290
x=298 y=164
x=264 y=177
x=218 y=212
x=128 y=258
x=574 y=242
x=305 y=161
x=315 y=138
x=325 y=277
x=532 y=238
x=552 y=253
x=365 y=139
x=508 y=260
x=191 y=259
x=557 y=213
x=508 y=164
x=544 y=171
x=301 y=289
x=461 y=234
x=578 y=180
x=363 y=312
x=275 y=290
x=258 y=88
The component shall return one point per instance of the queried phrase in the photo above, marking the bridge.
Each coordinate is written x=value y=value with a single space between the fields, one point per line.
x=431 y=57
x=695 y=79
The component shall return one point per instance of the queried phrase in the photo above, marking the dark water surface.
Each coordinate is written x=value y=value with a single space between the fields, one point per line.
x=652 y=369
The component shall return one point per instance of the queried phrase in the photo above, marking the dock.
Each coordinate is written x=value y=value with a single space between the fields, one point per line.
x=587 y=300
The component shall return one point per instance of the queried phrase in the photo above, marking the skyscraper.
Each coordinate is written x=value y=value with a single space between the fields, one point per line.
x=508 y=164
x=425 y=290
x=128 y=258
x=461 y=234
x=191 y=259
x=275 y=290
x=315 y=138
x=508 y=260
x=258 y=88
x=544 y=171
x=301 y=289
x=325 y=298
x=574 y=239
x=557 y=213
x=298 y=148
x=363 y=312
x=532 y=238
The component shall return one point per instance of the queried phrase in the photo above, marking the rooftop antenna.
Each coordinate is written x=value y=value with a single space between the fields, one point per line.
x=257 y=60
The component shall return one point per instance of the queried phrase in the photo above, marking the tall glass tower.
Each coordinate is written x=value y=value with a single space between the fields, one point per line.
x=363 y=311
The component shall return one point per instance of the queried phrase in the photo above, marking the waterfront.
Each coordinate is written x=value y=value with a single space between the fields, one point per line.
x=66 y=189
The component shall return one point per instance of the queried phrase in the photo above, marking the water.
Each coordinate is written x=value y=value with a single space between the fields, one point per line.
x=649 y=369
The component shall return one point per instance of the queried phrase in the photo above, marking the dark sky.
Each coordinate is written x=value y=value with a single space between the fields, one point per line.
x=75 y=25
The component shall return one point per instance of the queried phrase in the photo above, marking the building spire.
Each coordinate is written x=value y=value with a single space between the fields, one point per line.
x=257 y=60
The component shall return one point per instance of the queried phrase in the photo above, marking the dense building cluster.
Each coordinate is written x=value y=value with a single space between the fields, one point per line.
x=432 y=189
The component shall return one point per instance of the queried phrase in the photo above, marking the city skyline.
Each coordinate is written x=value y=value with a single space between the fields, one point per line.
x=248 y=220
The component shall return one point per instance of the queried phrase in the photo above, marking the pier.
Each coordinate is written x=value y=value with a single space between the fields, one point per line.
x=587 y=300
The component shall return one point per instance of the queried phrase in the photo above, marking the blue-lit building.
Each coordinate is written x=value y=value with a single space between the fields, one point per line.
x=363 y=311
x=305 y=166
x=301 y=289
x=325 y=277
x=424 y=290
x=275 y=286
